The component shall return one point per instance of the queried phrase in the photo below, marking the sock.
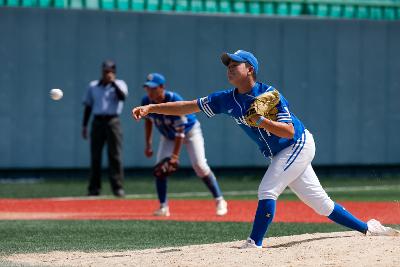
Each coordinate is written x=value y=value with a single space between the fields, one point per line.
x=161 y=185
x=212 y=184
x=264 y=215
x=341 y=216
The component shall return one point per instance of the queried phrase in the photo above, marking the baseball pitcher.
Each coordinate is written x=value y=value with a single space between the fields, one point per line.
x=264 y=114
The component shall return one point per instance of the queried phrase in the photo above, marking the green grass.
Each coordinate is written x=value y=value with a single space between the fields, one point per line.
x=145 y=185
x=45 y=236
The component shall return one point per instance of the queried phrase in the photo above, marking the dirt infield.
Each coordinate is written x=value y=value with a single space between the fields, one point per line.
x=329 y=249
x=181 y=210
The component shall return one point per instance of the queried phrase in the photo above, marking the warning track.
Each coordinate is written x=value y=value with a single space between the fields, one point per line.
x=181 y=210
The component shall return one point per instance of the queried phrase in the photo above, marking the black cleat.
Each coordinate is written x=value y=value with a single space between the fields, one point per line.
x=93 y=193
x=119 y=192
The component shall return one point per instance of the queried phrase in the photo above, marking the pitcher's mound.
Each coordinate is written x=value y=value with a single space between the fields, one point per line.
x=321 y=249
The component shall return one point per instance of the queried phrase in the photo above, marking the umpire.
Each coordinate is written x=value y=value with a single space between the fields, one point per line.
x=104 y=98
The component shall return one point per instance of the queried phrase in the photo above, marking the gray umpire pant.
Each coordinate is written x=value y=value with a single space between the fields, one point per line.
x=106 y=129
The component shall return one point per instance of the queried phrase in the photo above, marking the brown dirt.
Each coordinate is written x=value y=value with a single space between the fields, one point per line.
x=328 y=249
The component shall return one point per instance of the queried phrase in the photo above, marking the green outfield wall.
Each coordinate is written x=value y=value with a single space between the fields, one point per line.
x=341 y=77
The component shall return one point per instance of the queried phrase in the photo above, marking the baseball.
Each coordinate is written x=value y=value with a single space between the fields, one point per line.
x=56 y=94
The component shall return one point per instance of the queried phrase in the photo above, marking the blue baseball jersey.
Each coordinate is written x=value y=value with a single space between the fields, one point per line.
x=234 y=104
x=171 y=126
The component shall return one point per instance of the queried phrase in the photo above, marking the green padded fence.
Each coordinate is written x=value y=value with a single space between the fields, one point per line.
x=353 y=9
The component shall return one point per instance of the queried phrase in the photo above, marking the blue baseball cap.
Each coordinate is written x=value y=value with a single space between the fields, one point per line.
x=240 y=56
x=154 y=80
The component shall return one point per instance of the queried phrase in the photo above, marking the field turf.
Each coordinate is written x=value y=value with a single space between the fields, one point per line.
x=42 y=236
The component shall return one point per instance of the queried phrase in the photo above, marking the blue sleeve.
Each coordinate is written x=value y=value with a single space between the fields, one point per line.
x=178 y=122
x=88 y=97
x=283 y=111
x=145 y=101
x=176 y=97
x=214 y=103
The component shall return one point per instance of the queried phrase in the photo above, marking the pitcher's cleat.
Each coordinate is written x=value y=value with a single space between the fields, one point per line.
x=222 y=207
x=164 y=211
x=377 y=229
x=249 y=243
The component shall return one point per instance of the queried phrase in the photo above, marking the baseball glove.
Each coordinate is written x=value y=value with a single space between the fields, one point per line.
x=263 y=105
x=165 y=168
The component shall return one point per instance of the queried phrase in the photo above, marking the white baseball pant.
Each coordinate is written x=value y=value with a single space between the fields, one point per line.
x=194 y=143
x=292 y=167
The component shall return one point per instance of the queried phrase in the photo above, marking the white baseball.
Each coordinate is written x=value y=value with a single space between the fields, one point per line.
x=56 y=94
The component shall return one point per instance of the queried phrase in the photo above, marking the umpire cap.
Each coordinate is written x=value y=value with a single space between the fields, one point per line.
x=109 y=65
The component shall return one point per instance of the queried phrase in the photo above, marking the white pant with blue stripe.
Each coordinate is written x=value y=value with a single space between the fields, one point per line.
x=292 y=168
x=194 y=143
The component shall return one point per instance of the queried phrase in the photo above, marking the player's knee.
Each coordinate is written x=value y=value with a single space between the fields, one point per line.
x=201 y=169
x=325 y=207
x=266 y=194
